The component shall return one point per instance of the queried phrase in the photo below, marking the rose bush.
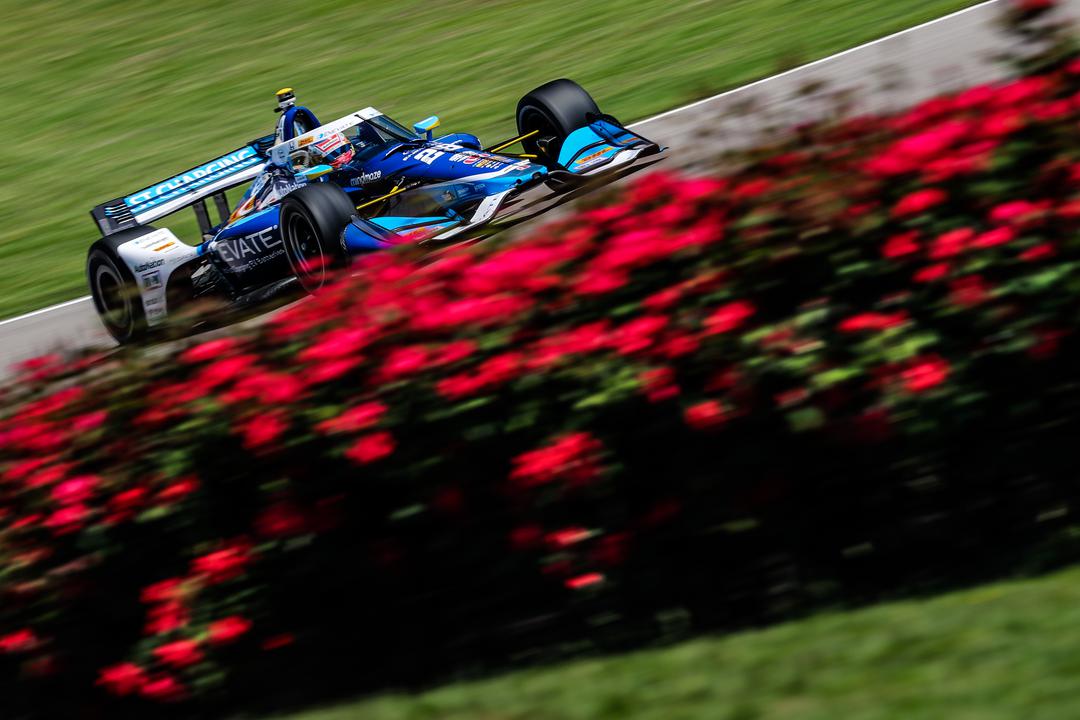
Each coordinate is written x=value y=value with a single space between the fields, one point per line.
x=847 y=369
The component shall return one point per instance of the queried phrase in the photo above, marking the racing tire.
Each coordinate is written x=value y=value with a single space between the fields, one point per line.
x=312 y=220
x=555 y=110
x=114 y=289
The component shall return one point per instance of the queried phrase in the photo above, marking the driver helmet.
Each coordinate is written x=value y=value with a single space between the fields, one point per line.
x=334 y=150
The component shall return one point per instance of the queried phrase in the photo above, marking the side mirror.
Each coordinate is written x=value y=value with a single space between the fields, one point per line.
x=424 y=127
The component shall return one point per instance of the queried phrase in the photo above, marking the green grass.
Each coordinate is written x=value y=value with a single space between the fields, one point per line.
x=1010 y=650
x=103 y=97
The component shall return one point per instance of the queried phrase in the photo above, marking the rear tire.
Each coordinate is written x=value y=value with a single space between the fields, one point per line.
x=113 y=288
x=555 y=109
x=312 y=220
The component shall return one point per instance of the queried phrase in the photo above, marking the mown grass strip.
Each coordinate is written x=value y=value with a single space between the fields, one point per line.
x=1007 y=650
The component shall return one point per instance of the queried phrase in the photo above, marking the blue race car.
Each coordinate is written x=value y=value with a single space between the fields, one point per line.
x=321 y=194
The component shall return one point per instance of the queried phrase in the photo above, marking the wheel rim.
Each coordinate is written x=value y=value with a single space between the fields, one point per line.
x=115 y=299
x=305 y=250
x=534 y=119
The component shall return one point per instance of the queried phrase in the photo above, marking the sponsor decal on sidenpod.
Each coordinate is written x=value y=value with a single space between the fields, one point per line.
x=151 y=239
x=366 y=178
x=152 y=280
x=149 y=265
x=236 y=250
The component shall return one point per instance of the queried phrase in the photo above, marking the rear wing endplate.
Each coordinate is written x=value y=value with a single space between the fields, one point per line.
x=190 y=187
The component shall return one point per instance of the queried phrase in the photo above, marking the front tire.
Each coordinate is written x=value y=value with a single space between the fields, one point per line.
x=312 y=220
x=555 y=110
x=114 y=290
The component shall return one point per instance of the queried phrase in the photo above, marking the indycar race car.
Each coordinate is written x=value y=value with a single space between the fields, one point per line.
x=320 y=194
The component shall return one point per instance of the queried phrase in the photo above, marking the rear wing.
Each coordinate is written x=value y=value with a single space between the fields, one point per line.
x=189 y=188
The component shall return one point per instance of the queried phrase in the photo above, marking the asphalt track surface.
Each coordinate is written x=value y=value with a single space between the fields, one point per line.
x=885 y=75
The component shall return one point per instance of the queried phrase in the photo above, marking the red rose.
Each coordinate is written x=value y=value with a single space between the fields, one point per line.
x=403 y=361
x=659 y=384
x=675 y=346
x=453 y=352
x=67 y=519
x=163 y=688
x=163 y=591
x=179 y=489
x=89 y=421
x=370 y=448
x=179 y=653
x=338 y=344
x=997 y=236
x=1070 y=210
x=1038 y=252
x=968 y=291
x=1001 y=124
x=567 y=536
x=728 y=317
x=638 y=334
x=751 y=189
x=49 y=475
x=925 y=373
x=901 y=245
x=930 y=273
x=18 y=641
x=327 y=371
x=224 y=371
x=600 y=282
x=228 y=629
x=1022 y=90
x=1014 y=212
x=571 y=457
x=123 y=679
x=209 y=350
x=583 y=581
x=76 y=490
x=951 y=243
x=458 y=386
x=872 y=321
x=128 y=500
x=221 y=565
x=705 y=415
x=663 y=299
x=274 y=388
x=918 y=202
x=264 y=429
x=166 y=617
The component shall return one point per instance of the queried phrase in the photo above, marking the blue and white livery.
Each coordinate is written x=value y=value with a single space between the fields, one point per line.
x=320 y=193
